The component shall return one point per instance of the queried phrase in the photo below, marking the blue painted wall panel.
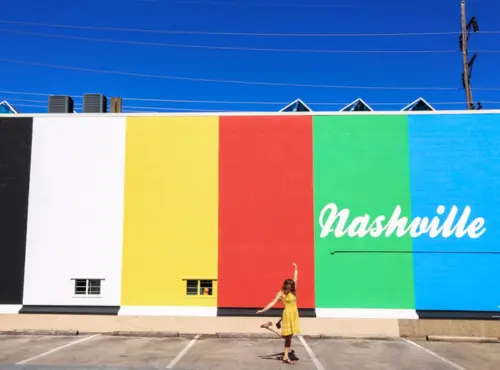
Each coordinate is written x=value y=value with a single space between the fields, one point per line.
x=455 y=160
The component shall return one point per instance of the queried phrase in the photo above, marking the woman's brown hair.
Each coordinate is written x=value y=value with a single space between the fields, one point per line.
x=289 y=285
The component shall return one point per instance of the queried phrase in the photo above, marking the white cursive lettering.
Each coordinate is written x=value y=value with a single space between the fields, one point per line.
x=361 y=225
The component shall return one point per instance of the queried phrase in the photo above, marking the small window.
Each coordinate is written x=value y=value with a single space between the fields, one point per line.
x=199 y=287
x=87 y=287
x=192 y=287
x=206 y=287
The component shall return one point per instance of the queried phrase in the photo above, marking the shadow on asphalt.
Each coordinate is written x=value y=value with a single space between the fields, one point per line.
x=279 y=356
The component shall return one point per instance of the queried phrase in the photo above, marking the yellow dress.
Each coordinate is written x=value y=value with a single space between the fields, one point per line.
x=290 y=317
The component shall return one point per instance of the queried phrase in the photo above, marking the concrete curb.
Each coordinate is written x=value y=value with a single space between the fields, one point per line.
x=41 y=332
x=236 y=335
x=456 y=339
x=305 y=336
x=93 y=333
x=414 y=337
x=145 y=334
x=310 y=336
x=360 y=337
x=243 y=335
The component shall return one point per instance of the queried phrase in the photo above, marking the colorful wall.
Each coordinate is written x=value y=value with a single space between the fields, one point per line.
x=387 y=215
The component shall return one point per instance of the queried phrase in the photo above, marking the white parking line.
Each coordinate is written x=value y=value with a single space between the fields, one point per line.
x=311 y=354
x=434 y=354
x=183 y=352
x=57 y=349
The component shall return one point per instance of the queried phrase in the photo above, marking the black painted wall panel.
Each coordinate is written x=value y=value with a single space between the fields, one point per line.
x=15 y=160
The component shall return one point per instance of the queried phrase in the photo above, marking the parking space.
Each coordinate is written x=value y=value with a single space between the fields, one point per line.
x=202 y=352
x=484 y=356
x=119 y=351
x=16 y=348
x=374 y=355
x=242 y=354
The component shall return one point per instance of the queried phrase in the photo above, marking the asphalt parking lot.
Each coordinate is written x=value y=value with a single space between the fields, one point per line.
x=202 y=352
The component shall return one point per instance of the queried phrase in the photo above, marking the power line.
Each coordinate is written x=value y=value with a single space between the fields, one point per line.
x=310 y=104
x=259 y=34
x=29 y=93
x=242 y=82
x=252 y=4
x=27 y=100
x=217 y=47
x=30 y=105
x=210 y=101
x=218 y=101
x=159 y=109
x=128 y=106
x=164 y=100
x=135 y=108
x=174 y=109
x=191 y=101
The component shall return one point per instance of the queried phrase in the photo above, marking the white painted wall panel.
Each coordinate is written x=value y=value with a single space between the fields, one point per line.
x=75 y=215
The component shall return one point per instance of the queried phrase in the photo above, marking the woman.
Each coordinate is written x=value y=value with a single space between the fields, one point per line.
x=290 y=316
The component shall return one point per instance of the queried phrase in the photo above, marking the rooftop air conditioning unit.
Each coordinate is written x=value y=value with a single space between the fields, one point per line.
x=95 y=103
x=61 y=104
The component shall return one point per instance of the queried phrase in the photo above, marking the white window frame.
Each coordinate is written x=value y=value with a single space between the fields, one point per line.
x=198 y=289
x=87 y=283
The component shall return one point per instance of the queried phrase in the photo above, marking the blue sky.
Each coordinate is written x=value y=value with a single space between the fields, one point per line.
x=422 y=70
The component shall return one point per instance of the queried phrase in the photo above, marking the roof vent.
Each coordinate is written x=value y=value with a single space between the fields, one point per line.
x=357 y=105
x=61 y=104
x=6 y=108
x=418 y=105
x=95 y=103
x=296 y=106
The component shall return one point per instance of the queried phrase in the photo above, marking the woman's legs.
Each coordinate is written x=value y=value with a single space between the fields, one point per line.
x=287 y=338
x=288 y=344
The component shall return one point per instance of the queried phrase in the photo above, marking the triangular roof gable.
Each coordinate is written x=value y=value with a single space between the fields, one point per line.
x=5 y=103
x=413 y=104
x=351 y=106
x=296 y=103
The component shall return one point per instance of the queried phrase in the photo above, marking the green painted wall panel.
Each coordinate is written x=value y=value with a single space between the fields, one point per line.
x=362 y=163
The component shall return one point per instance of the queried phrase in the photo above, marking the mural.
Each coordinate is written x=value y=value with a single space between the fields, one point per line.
x=361 y=165
x=455 y=170
x=265 y=209
x=15 y=158
x=171 y=207
x=75 y=213
x=387 y=215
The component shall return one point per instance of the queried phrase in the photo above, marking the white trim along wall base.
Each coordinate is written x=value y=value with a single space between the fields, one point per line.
x=369 y=313
x=168 y=311
x=9 y=309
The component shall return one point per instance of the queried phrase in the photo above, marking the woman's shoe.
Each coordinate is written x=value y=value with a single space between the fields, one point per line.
x=266 y=325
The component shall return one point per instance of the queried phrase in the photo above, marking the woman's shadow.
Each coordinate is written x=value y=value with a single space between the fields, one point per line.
x=279 y=356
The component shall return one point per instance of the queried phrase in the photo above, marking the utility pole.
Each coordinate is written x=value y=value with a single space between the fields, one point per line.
x=465 y=57
x=116 y=105
x=467 y=64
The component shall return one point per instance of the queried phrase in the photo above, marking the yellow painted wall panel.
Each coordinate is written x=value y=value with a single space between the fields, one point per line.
x=171 y=209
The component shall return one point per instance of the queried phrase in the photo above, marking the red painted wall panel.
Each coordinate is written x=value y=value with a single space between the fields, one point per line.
x=266 y=215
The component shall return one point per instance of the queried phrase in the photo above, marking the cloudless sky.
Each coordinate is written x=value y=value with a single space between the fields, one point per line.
x=439 y=70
